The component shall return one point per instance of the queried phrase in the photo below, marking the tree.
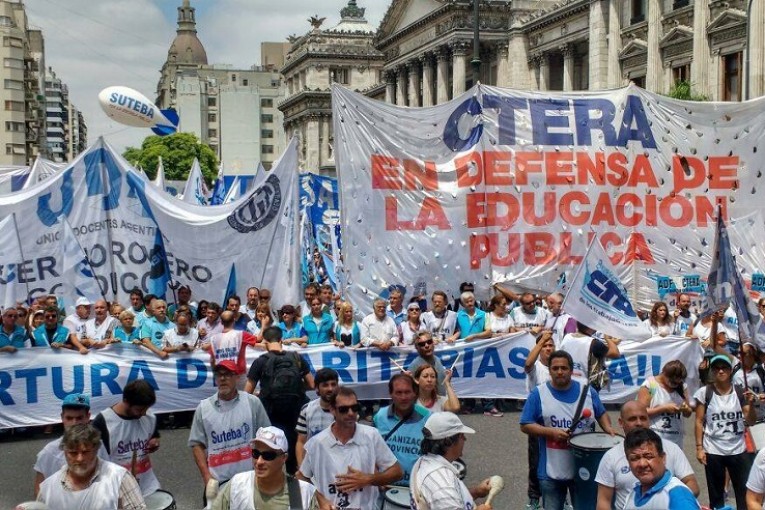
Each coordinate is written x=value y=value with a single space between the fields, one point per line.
x=682 y=90
x=178 y=152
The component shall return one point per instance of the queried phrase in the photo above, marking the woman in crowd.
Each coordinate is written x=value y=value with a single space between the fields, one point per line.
x=318 y=324
x=263 y=320
x=425 y=376
x=116 y=309
x=292 y=330
x=201 y=311
x=722 y=412
x=35 y=321
x=707 y=327
x=412 y=325
x=211 y=323
x=347 y=333
x=666 y=397
x=498 y=321
x=659 y=320
x=126 y=332
x=755 y=376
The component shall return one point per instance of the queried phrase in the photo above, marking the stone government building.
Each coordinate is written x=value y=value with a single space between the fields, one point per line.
x=421 y=54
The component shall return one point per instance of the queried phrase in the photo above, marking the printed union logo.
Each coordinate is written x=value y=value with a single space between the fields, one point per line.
x=605 y=290
x=260 y=210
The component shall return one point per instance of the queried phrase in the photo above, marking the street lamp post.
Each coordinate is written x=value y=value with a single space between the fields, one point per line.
x=747 y=62
x=476 y=62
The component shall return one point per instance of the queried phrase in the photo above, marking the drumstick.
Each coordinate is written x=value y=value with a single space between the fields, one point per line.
x=399 y=366
x=459 y=355
x=497 y=483
x=586 y=413
x=133 y=462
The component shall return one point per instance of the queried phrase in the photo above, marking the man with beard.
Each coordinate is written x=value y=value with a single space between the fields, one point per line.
x=130 y=434
x=684 y=318
x=558 y=321
x=153 y=329
x=315 y=416
x=251 y=306
x=267 y=487
x=439 y=321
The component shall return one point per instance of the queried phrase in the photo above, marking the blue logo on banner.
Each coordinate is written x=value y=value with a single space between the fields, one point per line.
x=758 y=282
x=605 y=290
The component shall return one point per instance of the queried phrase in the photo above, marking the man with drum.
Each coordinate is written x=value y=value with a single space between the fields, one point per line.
x=614 y=478
x=87 y=482
x=656 y=487
x=554 y=412
x=267 y=487
x=349 y=461
x=130 y=434
x=223 y=429
x=75 y=410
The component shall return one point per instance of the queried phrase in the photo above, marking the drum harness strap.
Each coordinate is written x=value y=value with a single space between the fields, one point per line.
x=579 y=407
x=398 y=425
x=296 y=499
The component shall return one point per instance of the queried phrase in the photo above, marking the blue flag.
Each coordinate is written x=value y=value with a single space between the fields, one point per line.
x=159 y=272
x=231 y=287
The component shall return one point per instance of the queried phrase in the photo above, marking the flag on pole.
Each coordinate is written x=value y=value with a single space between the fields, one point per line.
x=231 y=286
x=195 y=191
x=597 y=298
x=159 y=271
x=725 y=286
x=235 y=192
x=77 y=271
x=159 y=179
x=219 y=188
x=10 y=260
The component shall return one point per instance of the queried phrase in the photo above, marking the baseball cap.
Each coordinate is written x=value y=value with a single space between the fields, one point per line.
x=272 y=437
x=228 y=364
x=83 y=301
x=76 y=400
x=443 y=425
x=413 y=306
x=721 y=358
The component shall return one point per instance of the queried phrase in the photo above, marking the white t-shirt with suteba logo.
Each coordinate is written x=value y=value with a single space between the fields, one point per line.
x=723 y=423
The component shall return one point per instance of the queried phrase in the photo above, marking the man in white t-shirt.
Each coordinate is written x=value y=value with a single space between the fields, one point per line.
x=684 y=318
x=378 y=329
x=182 y=337
x=439 y=321
x=75 y=410
x=75 y=323
x=614 y=478
x=348 y=462
x=98 y=330
x=528 y=317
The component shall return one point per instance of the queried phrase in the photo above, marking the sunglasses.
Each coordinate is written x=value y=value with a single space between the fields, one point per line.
x=53 y=317
x=425 y=343
x=267 y=456
x=356 y=408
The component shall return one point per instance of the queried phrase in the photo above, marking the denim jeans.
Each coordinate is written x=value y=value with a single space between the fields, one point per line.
x=554 y=493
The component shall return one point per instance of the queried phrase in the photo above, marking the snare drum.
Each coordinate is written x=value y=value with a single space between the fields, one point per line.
x=160 y=500
x=588 y=449
x=397 y=497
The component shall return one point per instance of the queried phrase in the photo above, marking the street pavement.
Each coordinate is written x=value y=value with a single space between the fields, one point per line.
x=498 y=448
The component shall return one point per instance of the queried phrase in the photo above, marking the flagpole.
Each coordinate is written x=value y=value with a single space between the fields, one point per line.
x=167 y=266
x=21 y=251
x=581 y=268
x=66 y=224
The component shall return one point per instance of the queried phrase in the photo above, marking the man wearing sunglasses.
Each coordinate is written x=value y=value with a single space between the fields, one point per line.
x=349 y=461
x=425 y=346
x=50 y=333
x=267 y=487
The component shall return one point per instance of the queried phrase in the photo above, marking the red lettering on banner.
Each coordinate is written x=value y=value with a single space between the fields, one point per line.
x=549 y=205
x=491 y=210
x=617 y=173
x=525 y=163
x=416 y=175
x=723 y=171
x=229 y=456
x=689 y=172
x=642 y=173
x=559 y=168
x=431 y=214
x=591 y=168
x=571 y=214
x=498 y=169
x=469 y=170
x=385 y=173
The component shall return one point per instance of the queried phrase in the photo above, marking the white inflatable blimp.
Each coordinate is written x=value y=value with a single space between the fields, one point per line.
x=130 y=107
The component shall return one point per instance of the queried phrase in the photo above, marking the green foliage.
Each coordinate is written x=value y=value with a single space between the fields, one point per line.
x=682 y=90
x=178 y=152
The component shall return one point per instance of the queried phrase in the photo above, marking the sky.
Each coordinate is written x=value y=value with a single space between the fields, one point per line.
x=92 y=45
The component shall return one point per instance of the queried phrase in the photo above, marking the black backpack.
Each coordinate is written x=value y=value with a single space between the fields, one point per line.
x=281 y=376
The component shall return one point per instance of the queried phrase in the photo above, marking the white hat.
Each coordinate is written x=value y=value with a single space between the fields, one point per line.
x=443 y=425
x=82 y=301
x=273 y=438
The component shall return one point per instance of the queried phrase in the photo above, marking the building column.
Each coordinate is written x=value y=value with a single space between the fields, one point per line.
x=459 y=66
x=519 y=65
x=326 y=128
x=598 y=44
x=544 y=72
x=615 y=77
x=701 y=53
x=757 y=46
x=442 y=76
x=401 y=86
x=428 y=77
x=653 y=71
x=414 y=82
x=533 y=63
x=568 y=67
x=503 y=64
x=390 y=87
x=312 y=141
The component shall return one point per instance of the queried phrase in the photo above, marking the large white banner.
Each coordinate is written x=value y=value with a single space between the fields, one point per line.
x=34 y=381
x=504 y=185
x=114 y=213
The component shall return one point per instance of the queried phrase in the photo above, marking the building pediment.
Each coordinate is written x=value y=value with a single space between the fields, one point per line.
x=402 y=13
x=634 y=48
x=677 y=35
x=728 y=19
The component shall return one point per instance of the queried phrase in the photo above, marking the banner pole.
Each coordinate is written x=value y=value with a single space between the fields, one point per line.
x=21 y=251
x=66 y=224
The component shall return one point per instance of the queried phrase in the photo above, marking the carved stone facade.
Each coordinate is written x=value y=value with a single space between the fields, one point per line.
x=343 y=54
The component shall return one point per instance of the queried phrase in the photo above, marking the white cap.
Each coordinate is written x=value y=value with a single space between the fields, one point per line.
x=82 y=301
x=443 y=425
x=272 y=437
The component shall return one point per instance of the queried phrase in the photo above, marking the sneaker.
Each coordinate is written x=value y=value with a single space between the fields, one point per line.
x=494 y=412
x=533 y=504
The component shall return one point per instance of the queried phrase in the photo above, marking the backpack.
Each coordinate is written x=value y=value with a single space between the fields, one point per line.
x=710 y=392
x=281 y=376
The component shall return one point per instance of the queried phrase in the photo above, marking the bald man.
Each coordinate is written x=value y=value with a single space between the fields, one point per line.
x=614 y=478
